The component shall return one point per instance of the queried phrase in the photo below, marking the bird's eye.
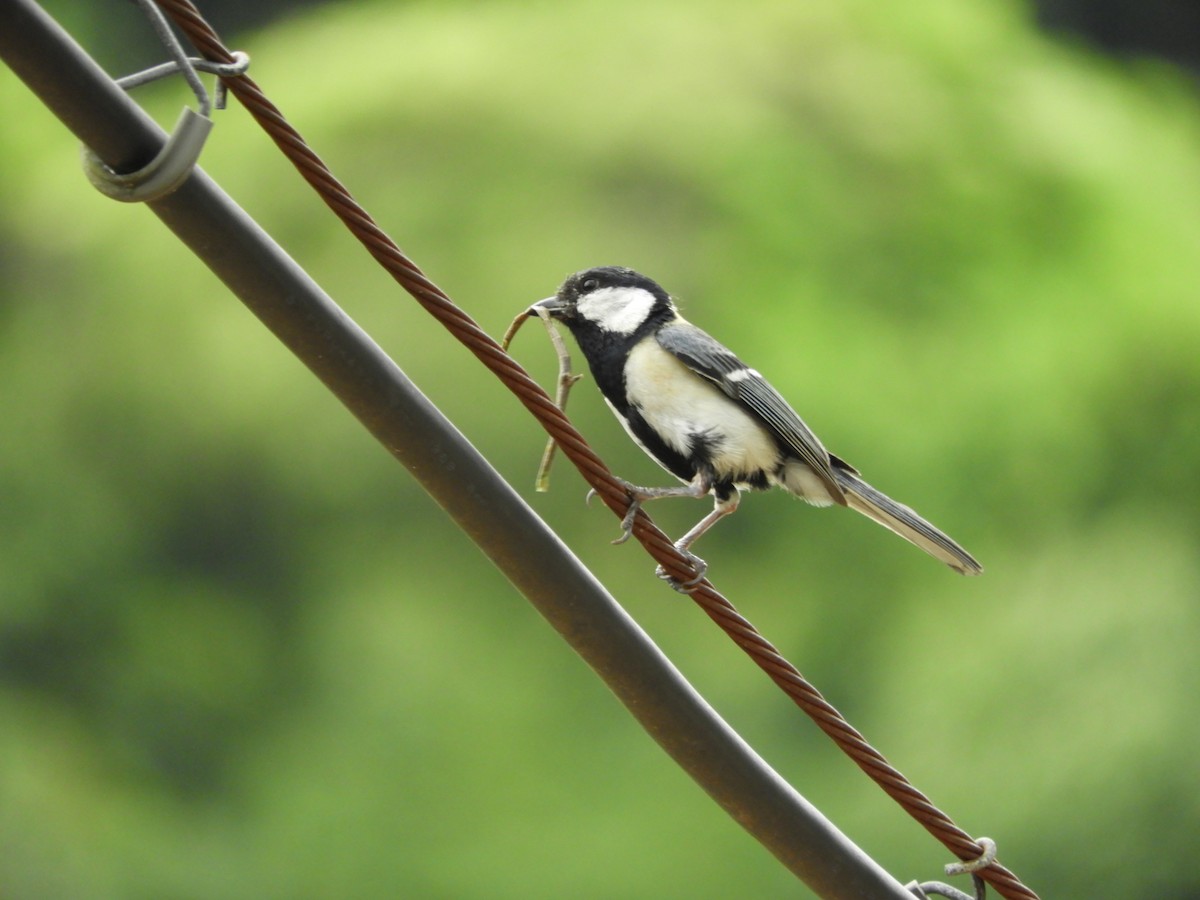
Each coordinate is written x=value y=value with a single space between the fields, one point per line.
x=589 y=284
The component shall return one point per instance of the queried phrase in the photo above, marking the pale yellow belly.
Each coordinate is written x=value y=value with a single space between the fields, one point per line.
x=679 y=405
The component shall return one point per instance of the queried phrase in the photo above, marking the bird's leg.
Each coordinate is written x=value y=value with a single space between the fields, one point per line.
x=696 y=488
x=721 y=508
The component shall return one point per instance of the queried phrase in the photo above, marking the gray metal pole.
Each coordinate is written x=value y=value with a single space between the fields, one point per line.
x=374 y=389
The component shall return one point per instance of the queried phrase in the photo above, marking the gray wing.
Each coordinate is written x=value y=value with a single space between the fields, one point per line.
x=711 y=360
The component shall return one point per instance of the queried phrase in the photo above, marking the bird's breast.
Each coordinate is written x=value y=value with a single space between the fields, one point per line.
x=694 y=417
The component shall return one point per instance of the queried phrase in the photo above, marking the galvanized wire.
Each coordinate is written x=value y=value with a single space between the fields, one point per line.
x=591 y=467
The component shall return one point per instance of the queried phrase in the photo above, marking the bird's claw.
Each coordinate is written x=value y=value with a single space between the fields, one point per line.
x=699 y=568
x=627 y=522
x=635 y=503
x=636 y=496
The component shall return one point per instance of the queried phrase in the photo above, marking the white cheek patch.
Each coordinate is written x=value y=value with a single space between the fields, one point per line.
x=619 y=309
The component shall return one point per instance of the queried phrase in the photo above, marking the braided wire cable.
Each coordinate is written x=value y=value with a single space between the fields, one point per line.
x=464 y=329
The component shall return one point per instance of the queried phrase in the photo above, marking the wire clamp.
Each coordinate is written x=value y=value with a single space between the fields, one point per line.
x=971 y=867
x=162 y=175
x=177 y=157
x=985 y=859
x=927 y=889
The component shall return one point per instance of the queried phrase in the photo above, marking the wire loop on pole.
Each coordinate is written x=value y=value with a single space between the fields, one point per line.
x=178 y=156
x=169 y=169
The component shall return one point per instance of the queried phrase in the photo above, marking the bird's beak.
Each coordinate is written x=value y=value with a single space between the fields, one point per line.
x=552 y=305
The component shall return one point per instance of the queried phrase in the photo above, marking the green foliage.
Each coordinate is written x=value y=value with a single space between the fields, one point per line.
x=243 y=655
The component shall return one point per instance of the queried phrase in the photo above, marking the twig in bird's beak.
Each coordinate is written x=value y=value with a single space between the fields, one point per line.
x=512 y=330
x=566 y=381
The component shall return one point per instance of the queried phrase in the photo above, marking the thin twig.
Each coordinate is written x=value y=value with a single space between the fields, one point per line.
x=566 y=381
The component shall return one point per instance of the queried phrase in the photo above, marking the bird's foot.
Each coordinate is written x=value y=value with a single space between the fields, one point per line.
x=636 y=496
x=699 y=569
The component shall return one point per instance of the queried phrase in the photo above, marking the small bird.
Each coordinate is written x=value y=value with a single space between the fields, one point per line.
x=707 y=418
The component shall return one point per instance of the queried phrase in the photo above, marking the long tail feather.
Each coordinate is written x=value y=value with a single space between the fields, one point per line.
x=903 y=521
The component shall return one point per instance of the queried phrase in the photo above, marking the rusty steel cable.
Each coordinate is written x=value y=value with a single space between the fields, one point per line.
x=594 y=471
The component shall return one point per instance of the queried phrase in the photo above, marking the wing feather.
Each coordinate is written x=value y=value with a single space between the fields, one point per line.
x=711 y=360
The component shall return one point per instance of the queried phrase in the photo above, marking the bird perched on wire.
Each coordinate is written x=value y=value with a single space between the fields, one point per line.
x=706 y=417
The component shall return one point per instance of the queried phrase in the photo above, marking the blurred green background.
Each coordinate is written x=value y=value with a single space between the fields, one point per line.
x=243 y=655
